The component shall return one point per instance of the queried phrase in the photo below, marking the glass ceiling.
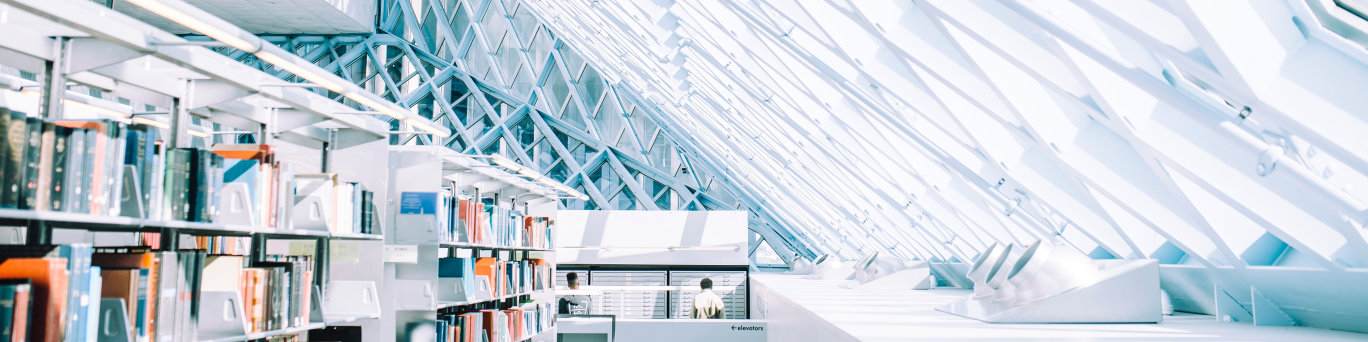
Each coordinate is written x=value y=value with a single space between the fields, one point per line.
x=1216 y=133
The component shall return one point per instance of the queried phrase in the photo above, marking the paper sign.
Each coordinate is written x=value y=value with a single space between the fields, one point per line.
x=402 y=254
x=344 y=251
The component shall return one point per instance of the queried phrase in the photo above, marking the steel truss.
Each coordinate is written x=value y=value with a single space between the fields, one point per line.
x=503 y=83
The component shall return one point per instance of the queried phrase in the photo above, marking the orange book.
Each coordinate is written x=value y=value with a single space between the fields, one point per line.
x=242 y=151
x=488 y=317
x=49 y=277
x=23 y=300
x=486 y=267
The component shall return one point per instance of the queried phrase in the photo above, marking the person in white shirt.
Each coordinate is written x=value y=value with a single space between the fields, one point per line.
x=707 y=305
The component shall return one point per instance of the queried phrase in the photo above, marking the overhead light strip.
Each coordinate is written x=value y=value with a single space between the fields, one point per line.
x=214 y=27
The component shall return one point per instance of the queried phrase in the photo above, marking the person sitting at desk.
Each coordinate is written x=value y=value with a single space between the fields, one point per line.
x=707 y=305
x=565 y=302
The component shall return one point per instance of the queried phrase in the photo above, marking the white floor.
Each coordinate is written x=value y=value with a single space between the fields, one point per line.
x=911 y=316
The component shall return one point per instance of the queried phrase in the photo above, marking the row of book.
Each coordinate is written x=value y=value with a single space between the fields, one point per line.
x=328 y=204
x=276 y=292
x=470 y=277
x=159 y=290
x=52 y=293
x=110 y=168
x=72 y=165
x=466 y=220
x=507 y=325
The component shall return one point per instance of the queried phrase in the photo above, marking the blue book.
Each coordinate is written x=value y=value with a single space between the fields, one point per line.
x=92 y=314
x=452 y=267
x=7 y=292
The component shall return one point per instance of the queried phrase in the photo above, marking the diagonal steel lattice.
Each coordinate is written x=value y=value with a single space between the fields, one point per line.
x=504 y=84
x=1189 y=132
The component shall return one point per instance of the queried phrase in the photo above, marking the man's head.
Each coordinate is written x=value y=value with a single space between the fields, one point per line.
x=572 y=279
x=706 y=284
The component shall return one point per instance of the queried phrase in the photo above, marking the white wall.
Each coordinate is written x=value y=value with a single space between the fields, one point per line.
x=647 y=237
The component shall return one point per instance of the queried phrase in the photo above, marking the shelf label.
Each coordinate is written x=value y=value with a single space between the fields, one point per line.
x=418 y=203
x=401 y=254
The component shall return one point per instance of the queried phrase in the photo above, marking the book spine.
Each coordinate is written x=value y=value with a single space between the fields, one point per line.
x=7 y=311
x=140 y=318
x=46 y=155
x=88 y=162
x=23 y=313
x=90 y=333
x=14 y=165
x=75 y=170
x=167 y=292
x=57 y=186
x=115 y=169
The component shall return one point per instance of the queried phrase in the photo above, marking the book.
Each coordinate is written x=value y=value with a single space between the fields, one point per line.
x=123 y=283
x=50 y=280
x=336 y=334
x=42 y=189
x=9 y=291
x=73 y=194
x=21 y=315
x=176 y=184
x=29 y=179
x=78 y=270
x=252 y=166
x=145 y=262
x=313 y=205
x=16 y=138
x=368 y=213
x=91 y=301
x=56 y=184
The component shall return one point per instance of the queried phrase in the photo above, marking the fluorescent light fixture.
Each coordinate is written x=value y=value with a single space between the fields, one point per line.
x=284 y=62
x=427 y=128
x=506 y=163
x=178 y=16
x=93 y=108
x=150 y=122
x=375 y=105
x=198 y=133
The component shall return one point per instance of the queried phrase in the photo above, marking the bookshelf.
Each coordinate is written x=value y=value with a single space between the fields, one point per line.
x=482 y=249
x=179 y=142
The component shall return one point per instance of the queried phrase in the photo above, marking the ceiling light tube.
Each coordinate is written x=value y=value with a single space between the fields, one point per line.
x=198 y=133
x=375 y=105
x=289 y=64
x=506 y=163
x=97 y=109
x=203 y=24
x=424 y=126
x=150 y=122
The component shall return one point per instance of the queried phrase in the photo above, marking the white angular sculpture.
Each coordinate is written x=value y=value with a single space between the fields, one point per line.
x=829 y=268
x=1053 y=283
x=801 y=266
x=1046 y=269
x=998 y=289
x=983 y=268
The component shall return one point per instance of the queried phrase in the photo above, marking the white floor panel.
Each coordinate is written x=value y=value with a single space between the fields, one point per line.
x=910 y=315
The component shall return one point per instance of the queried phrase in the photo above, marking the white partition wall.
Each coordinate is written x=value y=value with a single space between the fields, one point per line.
x=615 y=237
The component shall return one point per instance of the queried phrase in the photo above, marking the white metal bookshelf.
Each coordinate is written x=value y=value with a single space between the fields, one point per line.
x=77 y=43
x=491 y=178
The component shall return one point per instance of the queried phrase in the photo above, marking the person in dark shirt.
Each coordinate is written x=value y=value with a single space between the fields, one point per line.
x=566 y=302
